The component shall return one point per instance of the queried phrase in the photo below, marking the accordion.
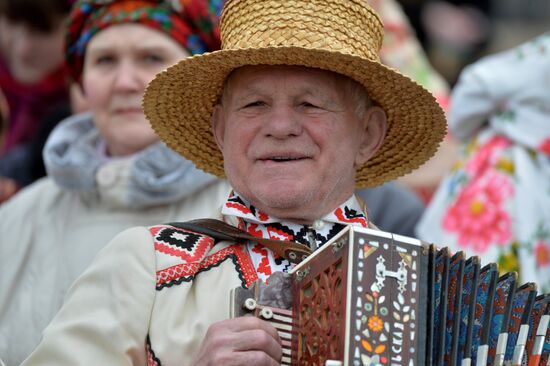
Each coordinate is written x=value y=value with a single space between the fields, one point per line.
x=373 y=298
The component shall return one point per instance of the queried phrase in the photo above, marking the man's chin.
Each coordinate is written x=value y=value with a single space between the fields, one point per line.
x=284 y=199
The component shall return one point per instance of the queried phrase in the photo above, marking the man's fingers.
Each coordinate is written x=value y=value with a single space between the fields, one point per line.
x=257 y=358
x=259 y=339
x=245 y=323
x=246 y=340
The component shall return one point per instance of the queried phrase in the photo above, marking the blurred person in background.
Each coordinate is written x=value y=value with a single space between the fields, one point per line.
x=107 y=169
x=454 y=33
x=397 y=206
x=457 y=33
x=403 y=51
x=34 y=82
x=496 y=201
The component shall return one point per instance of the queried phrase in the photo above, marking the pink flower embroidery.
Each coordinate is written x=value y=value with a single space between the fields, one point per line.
x=487 y=156
x=477 y=216
x=545 y=146
x=542 y=253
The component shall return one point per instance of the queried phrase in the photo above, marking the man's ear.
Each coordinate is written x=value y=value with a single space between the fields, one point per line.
x=218 y=125
x=375 y=124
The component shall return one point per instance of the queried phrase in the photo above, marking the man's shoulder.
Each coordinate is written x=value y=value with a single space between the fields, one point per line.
x=181 y=254
x=187 y=245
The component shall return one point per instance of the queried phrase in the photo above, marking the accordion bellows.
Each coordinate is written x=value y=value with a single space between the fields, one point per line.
x=373 y=298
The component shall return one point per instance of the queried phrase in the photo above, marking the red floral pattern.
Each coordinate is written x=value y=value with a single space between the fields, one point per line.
x=487 y=156
x=545 y=146
x=477 y=216
x=542 y=253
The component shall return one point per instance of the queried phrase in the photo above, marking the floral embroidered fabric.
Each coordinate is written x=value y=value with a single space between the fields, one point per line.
x=496 y=201
x=261 y=225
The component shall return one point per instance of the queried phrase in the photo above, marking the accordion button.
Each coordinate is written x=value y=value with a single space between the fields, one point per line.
x=266 y=313
x=250 y=304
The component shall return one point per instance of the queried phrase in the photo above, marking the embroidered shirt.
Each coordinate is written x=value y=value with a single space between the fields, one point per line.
x=261 y=225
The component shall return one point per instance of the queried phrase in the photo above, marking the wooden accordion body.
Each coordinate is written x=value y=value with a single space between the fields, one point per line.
x=373 y=298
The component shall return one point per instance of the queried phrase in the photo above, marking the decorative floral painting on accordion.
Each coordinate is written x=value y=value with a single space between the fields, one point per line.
x=495 y=203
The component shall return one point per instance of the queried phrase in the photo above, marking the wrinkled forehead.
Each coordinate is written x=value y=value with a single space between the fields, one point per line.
x=245 y=76
x=261 y=70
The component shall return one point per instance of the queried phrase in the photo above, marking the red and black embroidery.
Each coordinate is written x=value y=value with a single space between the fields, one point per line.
x=152 y=360
x=283 y=263
x=280 y=231
x=349 y=215
x=263 y=267
x=237 y=203
x=185 y=244
x=302 y=236
x=186 y=272
x=335 y=229
x=260 y=225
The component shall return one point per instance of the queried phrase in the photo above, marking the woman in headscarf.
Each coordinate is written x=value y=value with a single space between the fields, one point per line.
x=107 y=169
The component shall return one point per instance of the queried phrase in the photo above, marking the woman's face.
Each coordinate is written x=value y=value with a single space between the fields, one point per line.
x=119 y=63
x=31 y=54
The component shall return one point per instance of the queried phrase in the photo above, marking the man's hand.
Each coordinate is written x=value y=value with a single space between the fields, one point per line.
x=240 y=341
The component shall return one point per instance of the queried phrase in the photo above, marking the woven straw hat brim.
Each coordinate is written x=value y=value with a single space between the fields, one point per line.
x=180 y=100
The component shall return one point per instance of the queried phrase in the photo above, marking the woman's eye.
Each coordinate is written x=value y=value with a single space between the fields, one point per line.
x=153 y=58
x=102 y=60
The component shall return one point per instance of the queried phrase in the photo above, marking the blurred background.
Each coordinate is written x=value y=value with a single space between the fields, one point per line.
x=455 y=33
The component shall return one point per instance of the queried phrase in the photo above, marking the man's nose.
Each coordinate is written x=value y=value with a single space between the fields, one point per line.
x=127 y=78
x=283 y=122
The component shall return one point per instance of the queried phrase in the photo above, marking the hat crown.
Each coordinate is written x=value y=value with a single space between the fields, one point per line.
x=345 y=26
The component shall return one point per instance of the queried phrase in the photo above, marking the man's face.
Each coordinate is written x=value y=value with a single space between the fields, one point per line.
x=119 y=63
x=291 y=139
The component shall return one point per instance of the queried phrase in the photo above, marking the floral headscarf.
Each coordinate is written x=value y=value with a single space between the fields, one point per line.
x=191 y=23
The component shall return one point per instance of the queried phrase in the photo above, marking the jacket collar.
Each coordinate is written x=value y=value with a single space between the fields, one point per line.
x=156 y=175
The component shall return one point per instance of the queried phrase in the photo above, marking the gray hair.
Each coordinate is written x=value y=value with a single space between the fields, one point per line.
x=359 y=95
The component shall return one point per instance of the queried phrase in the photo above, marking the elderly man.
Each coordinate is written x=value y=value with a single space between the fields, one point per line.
x=301 y=113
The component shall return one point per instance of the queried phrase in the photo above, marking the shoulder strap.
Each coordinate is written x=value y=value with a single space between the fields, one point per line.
x=219 y=230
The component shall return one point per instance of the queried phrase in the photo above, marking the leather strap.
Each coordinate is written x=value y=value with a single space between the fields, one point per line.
x=220 y=230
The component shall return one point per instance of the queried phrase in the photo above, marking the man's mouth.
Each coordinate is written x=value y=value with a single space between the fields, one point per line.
x=283 y=158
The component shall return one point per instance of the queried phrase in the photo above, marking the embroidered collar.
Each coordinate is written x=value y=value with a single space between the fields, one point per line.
x=349 y=213
x=259 y=224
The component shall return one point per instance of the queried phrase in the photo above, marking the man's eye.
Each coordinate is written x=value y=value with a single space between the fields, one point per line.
x=257 y=103
x=309 y=105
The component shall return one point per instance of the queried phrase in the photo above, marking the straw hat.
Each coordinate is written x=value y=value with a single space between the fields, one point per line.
x=343 y=36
